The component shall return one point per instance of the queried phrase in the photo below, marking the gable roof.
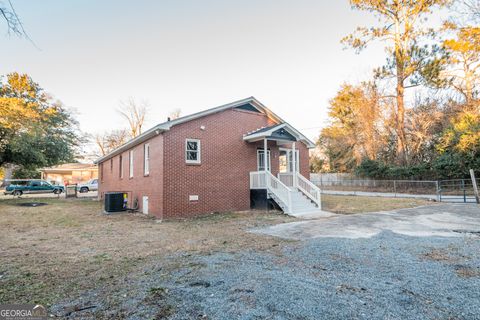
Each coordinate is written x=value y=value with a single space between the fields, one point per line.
x=272 y=130
x=165 y=126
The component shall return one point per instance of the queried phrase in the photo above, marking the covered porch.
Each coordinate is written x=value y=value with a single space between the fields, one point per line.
x=288 y=187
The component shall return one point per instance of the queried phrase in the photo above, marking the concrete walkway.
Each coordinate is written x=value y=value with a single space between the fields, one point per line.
x=447 y=220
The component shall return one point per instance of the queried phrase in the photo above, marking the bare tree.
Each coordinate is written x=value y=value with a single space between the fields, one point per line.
x=134 y=112
x=472 y=9
x=14 y=24
x=175 y=114
x=109 y=141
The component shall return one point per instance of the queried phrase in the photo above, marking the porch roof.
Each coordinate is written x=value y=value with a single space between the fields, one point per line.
x=279 y=132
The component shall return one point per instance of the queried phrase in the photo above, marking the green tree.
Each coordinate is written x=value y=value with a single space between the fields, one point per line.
x=402 y=28
x=35 y=131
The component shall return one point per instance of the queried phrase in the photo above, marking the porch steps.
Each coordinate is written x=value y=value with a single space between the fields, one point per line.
x=302 y=207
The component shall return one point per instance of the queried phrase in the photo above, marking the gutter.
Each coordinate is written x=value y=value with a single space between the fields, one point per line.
x=155 y=131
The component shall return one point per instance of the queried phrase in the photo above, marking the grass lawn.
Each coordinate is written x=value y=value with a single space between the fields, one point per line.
x=68 y=248
x=358 y=204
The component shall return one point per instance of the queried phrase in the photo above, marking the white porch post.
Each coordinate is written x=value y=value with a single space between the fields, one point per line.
x=265 y=151
x=294 y=166
x=265 y=154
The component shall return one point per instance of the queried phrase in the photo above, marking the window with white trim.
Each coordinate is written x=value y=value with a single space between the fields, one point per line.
x=130 y=160
x=192 y=151
x=146 y=159
x=261 y=160
x=120 y=167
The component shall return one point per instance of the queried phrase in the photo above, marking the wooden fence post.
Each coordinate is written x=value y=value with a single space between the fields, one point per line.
x=475 y=187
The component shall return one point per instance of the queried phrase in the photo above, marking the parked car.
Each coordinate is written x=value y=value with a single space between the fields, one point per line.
x=19 y=187
x=90 y=185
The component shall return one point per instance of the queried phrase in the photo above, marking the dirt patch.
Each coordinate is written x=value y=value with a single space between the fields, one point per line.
x=31 y=204
x=437 y=255
x=466 y=271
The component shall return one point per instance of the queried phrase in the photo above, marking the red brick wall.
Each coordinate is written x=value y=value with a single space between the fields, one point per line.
x=221 y=180
x=140 y=185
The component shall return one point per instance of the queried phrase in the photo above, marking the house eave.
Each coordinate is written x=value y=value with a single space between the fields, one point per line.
x=162 y=127
x=155 y=131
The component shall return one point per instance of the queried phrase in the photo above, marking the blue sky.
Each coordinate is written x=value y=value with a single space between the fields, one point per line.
x=190 y=55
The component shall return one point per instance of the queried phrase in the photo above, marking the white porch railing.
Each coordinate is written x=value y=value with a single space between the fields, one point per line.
x=283 y=186
x=257 y=180
x=266 y=180
x=286 y=178
x=308 y=189
x=303 y=184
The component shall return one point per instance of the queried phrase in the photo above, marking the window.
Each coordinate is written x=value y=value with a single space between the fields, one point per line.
x=120 y=167
x=192 y=151
x=111 y=165
x=261 y=160
x=146 y=159
x=130 y=159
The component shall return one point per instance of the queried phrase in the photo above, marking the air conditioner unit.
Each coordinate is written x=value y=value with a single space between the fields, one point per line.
x=115 y=202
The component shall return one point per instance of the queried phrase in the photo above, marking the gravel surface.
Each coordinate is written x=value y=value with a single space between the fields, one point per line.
x=388 y=276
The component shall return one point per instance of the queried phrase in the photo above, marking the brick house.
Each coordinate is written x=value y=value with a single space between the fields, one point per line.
x=213 y=161
x=69 y=173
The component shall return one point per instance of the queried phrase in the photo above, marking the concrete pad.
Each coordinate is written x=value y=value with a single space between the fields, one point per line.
x=313 y=214
x=446 y=220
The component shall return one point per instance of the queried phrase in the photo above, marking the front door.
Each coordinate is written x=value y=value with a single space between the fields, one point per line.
x=286 y=161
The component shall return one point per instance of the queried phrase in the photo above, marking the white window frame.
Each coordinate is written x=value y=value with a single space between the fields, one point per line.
x=199 y=151
x=269 y=158
x=120 y=166
x=130 y=162
x=146 y=159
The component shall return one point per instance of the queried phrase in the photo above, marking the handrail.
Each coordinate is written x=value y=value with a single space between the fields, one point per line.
x=278 y=188
x=309 y=189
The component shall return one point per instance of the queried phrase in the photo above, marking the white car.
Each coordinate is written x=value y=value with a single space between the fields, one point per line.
x=90 y=185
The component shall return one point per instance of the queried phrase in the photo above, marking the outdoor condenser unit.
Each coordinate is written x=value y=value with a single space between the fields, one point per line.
x=115 y=202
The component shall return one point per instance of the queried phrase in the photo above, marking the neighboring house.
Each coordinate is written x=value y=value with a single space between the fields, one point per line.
x=213 y=161
x=70 y=173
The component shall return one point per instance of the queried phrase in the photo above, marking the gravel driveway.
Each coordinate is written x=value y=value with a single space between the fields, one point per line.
x=408 y=264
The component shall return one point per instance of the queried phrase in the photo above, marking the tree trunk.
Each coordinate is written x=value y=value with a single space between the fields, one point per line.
x=400 y=116
x=7 y=173
x=401 y=137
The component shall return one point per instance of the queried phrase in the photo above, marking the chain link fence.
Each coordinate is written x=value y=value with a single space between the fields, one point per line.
x=458 y=190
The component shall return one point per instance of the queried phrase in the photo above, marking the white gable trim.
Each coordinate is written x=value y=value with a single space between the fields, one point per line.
x=265 y=134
